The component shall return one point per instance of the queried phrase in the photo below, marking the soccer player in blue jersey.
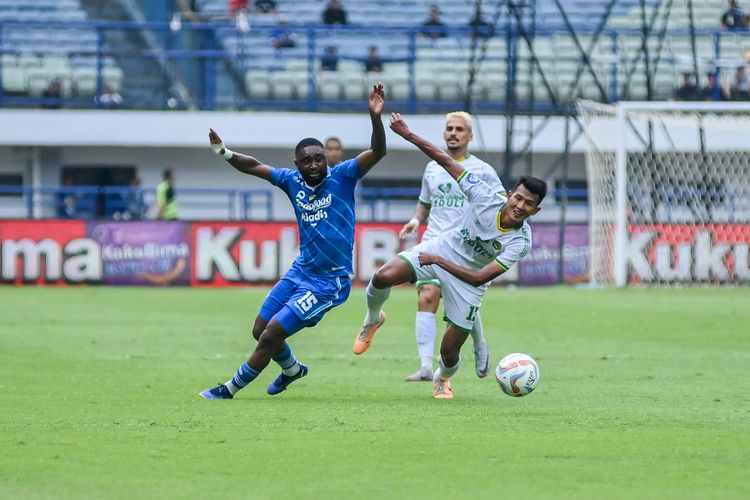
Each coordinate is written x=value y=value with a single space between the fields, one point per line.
x=323 y=200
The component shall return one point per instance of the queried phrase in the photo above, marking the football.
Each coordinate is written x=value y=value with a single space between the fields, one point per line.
x=517 y=374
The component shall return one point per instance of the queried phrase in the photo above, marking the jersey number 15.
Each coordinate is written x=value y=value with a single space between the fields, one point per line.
x=306 y=302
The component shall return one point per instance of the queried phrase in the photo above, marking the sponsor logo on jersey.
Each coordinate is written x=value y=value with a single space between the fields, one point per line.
x=314 y=210
x=314 y=217
x=445 y=188
x=472 y=179
x=449 y=200
x=476 y=244
x=315 y=204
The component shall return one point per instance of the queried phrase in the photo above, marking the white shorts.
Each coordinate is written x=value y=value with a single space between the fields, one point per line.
x=461 y=300
x=419 y=283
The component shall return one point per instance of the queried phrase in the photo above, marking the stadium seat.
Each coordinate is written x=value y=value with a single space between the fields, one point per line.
x=84 y=81
x=257 y=84
x=282 y=85
x=14 y=79
x=329 y=85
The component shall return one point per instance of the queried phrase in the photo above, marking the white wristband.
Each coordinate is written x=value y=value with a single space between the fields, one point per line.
x=227 y=154
x=414 y=220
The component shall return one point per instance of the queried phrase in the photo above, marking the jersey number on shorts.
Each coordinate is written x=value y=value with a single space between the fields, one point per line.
x=306 y=302
x=472 y=313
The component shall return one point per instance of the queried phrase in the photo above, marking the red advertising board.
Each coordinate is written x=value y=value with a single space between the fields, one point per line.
x=153 y=253
x=712 y=253
x=232 y=254
x=247 y=253
x=48 y=252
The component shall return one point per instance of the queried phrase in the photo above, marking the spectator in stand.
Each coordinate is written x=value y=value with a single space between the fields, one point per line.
x=237 y=6
x=334 y=150
x=688 y=91
x=187 y=8
x=239 y=12
x=734 y=18
x=740 y=87
x=480 y=28
x=52 y=95
x=330 y=59
x=282 y=36
x=334 y=13
x=67 y=200
x=373 y=63
x=166 y=198
x=264 y=7
x=434 y=27
x=110 y=98
x=712 y=91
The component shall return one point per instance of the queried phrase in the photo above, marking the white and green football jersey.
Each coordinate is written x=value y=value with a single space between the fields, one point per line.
x=447 y=202
x=478 y=240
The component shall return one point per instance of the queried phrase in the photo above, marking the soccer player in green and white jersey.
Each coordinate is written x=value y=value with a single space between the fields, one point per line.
x=442 y=205
x=492 y=237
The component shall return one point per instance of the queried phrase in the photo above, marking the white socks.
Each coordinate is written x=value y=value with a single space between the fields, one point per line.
x=446 y=372
x=232 y=388
x=425 y=331
x=477 y=333
x=376 y=297
x=292 y=370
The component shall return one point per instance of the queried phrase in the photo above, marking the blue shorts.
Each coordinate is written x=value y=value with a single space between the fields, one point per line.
x=299 y=300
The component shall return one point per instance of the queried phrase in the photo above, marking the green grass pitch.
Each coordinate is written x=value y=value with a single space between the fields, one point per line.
x=643 y=394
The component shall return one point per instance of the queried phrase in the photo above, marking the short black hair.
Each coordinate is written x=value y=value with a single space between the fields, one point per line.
x=166 y=174
x=534 y=185
x=309 y=141
x=334 y=139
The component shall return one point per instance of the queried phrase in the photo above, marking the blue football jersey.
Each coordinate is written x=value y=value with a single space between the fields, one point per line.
x=325 y=217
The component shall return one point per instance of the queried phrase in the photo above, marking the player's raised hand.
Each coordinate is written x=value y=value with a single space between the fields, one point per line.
x=425 y=259
x=376 y=101
x=409 y=228
x=399 y=125
x=216 y=143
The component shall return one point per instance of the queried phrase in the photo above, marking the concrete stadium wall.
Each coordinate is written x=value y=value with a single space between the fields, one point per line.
x=38 y=144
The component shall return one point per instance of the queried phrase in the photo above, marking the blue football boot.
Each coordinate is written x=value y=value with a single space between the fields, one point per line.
x=218 y=392
x=281 y=382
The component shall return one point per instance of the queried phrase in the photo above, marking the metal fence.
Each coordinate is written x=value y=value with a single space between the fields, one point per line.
x=377 y=204
x=125 y=203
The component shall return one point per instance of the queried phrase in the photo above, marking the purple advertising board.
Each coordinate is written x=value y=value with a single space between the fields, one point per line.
x=541 y=266
x=143 y=253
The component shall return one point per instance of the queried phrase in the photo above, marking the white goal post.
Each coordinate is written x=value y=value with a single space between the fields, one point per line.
x=669 y=192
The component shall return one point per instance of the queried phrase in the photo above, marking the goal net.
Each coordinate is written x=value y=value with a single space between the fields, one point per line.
x=669 y=192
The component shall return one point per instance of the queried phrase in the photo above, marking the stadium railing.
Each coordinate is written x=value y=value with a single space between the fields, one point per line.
x=125 y=203
x=380 y=202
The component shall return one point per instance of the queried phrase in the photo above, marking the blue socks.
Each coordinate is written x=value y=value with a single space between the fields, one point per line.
x=244 y=376
x=287 y=361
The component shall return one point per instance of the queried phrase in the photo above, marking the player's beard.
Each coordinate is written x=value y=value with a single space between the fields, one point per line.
x=453 y=148
x=314 y=181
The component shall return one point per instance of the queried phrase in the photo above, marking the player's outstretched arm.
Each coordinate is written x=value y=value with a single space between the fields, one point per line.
x=368 y=158
x=244 y=163
x=399 y=126
x=474 y=277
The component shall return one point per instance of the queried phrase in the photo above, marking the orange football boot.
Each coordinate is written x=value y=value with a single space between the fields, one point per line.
x=366 y=333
